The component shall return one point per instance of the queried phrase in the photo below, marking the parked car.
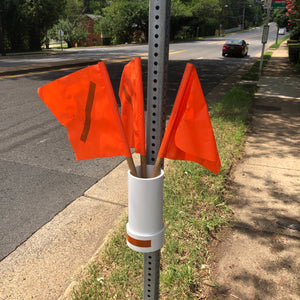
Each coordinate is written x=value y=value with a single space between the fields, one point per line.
x=281 y=31
x=235 y=47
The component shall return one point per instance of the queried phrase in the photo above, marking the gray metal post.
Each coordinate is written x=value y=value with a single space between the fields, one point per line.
x=244 y=18
x=158 y=42
x=151 y=275
x=269 y=3
x=2 y=48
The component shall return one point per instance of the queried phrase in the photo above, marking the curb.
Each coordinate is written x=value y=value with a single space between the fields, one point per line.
x=49 y=263
x=46 y=67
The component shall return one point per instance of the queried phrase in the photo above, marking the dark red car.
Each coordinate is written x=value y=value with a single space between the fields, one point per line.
x=235 y=47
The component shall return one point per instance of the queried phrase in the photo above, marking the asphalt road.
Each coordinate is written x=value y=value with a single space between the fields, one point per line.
x=39 y=174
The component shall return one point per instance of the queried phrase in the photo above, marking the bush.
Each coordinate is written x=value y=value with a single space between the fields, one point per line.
x=295 y=34
x=294 y=53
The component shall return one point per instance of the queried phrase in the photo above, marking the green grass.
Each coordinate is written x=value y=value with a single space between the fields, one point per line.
x=276 y=46
x=253 y=73
x=195 y=209
x=63 y=47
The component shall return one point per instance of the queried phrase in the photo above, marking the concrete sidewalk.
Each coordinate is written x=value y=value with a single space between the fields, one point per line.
x=47 y=263
x=260 y=258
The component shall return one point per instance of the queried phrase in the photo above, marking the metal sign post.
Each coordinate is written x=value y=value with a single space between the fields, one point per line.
x=265 y=34
x=61 y=34
x=158 y=53
x=264 y=38
x=2 y=48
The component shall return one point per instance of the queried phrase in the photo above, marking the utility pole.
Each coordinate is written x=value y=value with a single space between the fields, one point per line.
x=2 y=48
x=244 y=18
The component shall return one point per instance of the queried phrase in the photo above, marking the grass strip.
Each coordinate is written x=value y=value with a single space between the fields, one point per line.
x=281 y=40
x=253 y=73
x=195 y=209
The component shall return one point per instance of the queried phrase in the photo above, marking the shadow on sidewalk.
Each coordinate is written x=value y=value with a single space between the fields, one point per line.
x=259 y=258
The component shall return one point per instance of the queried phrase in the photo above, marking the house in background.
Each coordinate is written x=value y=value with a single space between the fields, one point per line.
x=93 y=39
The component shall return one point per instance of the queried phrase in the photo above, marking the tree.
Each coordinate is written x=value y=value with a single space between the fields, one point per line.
x=124 y=21
x=240 y=12
x=181 y=17
x=206 y=14
x=25 y=22
x=13 y=25
x=191 y=18
x=293 y=14
x=70 y=23
x=2 y=47
x=95 y=6
x=74 y=10
x=73 y=32
x=293 y=9
x=40 y=16
x=279 y=16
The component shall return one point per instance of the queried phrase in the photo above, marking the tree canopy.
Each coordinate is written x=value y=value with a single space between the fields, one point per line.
x=293 y=14
x=26 y=23
x=124 y=21
x=279 y=16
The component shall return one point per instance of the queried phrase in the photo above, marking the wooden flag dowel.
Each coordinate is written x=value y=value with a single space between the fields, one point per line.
x=131 y=166
x=157 y=167
x=143 y=166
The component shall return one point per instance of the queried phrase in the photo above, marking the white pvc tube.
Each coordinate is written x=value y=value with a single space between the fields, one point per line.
x=145 y=227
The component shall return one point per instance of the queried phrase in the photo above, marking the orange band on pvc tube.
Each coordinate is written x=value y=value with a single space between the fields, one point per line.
x=138 y=243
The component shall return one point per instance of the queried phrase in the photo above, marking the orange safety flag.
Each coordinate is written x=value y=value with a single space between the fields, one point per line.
x=132 y=105
x=189 y=134
x=84 y=102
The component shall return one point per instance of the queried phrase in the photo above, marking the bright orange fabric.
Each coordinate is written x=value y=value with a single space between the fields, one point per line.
x=189 y=134
x=84 y=102
x=132 y=105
